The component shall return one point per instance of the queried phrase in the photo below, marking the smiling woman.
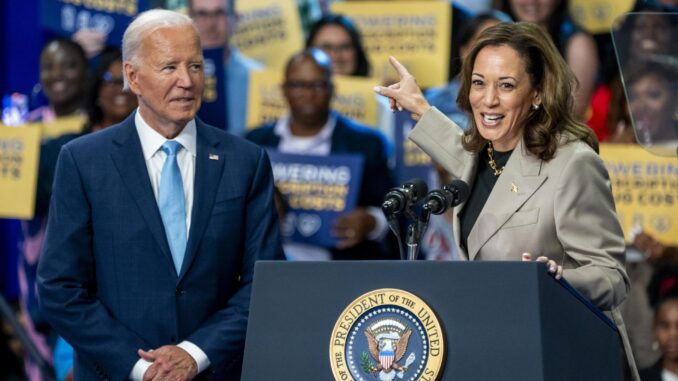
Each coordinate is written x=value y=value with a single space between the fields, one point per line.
x=63 y=74
x=538 y=187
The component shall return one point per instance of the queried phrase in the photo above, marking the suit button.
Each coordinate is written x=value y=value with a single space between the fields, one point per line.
x=179 y=291
x=173 y=339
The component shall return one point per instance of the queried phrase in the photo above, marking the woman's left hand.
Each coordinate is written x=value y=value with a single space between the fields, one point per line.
x=553 y=267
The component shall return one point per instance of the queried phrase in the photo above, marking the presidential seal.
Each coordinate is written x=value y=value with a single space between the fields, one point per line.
x=387 y=335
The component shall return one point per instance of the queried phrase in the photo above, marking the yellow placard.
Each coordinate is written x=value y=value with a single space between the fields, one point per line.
x=645 y=189
x=19 y=155
x=416 y=33
x=268 y=30
x=266 y=102
x=62 y=126
x=597 y=16
x=354 y=97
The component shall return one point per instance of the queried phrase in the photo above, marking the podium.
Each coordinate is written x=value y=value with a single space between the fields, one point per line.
x=501 y=320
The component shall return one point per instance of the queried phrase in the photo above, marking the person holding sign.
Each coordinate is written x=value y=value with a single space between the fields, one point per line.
x=312 y=128
x=216 y=20
x=155 y=225
x=538 y=187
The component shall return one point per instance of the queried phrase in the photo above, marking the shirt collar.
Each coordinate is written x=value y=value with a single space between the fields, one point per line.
x=282 y=129
x=151 y=140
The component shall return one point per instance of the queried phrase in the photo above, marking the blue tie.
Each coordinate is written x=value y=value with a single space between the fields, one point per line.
x=171 y=203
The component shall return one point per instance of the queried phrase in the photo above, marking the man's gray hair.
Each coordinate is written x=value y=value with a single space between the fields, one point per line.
x=145 y=23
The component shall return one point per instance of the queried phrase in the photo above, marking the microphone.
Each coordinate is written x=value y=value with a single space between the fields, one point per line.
x=397 y=199
x=452 y=194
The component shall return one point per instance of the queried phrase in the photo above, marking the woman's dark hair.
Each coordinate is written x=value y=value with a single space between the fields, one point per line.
x=466 y=32
x=663 y=285
x=69 y=44
x=94 y=112
x=549 y=75
x=559 y=17
x=362 y=67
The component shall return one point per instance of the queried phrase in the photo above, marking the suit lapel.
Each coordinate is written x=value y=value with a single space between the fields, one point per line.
x=209 y=163
x=128 y=159
x=468 y=177
x=518 y=182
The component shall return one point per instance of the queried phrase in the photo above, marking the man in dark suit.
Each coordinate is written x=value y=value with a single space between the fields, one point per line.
x=155 y=225
x=312 y=128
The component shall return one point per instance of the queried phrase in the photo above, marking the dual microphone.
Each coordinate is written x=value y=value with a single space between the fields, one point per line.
x=402 y=200
x=437 y=201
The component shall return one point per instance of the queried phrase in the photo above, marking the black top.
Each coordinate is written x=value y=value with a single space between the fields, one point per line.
x=480 y=191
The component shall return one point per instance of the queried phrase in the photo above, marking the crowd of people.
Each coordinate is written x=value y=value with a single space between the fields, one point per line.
x=558 y=101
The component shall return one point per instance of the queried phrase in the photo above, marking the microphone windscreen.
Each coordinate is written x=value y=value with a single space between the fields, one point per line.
x=462 y=189
x=419 y=187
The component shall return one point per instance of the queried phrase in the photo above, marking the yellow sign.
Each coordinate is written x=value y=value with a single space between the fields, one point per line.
x=645 y=189
x=416 y=33
x=387 y=333
x=61 y=126
x=19 y=155
x=354 y=97
x=266 y=102
x=268 y=30
x=597 y=16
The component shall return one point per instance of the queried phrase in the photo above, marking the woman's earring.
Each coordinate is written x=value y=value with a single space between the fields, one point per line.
x=535 y=106
x=655 y=345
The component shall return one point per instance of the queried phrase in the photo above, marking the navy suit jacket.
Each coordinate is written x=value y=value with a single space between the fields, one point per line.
x=350 y=137
x=106 y=278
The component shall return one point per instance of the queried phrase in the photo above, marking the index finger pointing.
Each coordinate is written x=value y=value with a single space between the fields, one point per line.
x=402 y=71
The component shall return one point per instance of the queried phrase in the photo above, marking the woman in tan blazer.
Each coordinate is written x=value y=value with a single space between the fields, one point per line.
x=538 y=187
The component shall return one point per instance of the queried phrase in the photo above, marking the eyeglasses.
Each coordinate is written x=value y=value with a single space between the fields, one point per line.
x=205 y=15
x=339 y=48
x=110 y=79
x=307 y=85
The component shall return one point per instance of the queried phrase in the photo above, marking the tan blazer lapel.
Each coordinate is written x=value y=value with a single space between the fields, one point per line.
x=517 y=183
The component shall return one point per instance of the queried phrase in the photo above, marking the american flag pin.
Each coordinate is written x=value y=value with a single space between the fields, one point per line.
x=214 y=156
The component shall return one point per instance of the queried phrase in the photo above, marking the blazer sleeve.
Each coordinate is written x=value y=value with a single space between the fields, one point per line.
x=67 y=280
x=222 y=336
x=589 y=231
x=441 y=138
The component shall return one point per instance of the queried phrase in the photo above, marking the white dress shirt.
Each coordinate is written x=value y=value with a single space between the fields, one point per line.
x=319 y=144
x=154 y=156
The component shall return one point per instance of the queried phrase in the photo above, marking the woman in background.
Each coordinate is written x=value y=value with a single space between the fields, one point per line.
x=337 y=36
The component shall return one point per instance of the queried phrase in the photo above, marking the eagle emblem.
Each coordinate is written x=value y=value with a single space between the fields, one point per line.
x=387 y=343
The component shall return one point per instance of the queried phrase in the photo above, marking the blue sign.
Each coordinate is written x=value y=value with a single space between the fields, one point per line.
x=411 y=161
x=213 y=108
x=318 y=189
x=110 y=17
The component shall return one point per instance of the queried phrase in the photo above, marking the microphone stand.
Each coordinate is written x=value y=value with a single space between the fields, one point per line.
x=416 y=231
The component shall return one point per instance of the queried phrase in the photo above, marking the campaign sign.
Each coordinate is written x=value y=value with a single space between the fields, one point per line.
x=645 y=189
x=318 y=189
x=213 y=107
x=109 y=17
x=416 y=32
x=19 y=157
x=268 y=31
x=411 y=161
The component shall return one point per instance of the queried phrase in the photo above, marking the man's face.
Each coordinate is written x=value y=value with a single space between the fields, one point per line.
x=168 y=77
x=211 y=18
x=308 y=91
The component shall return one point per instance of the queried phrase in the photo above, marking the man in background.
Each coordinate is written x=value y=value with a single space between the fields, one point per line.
x=216 y=21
